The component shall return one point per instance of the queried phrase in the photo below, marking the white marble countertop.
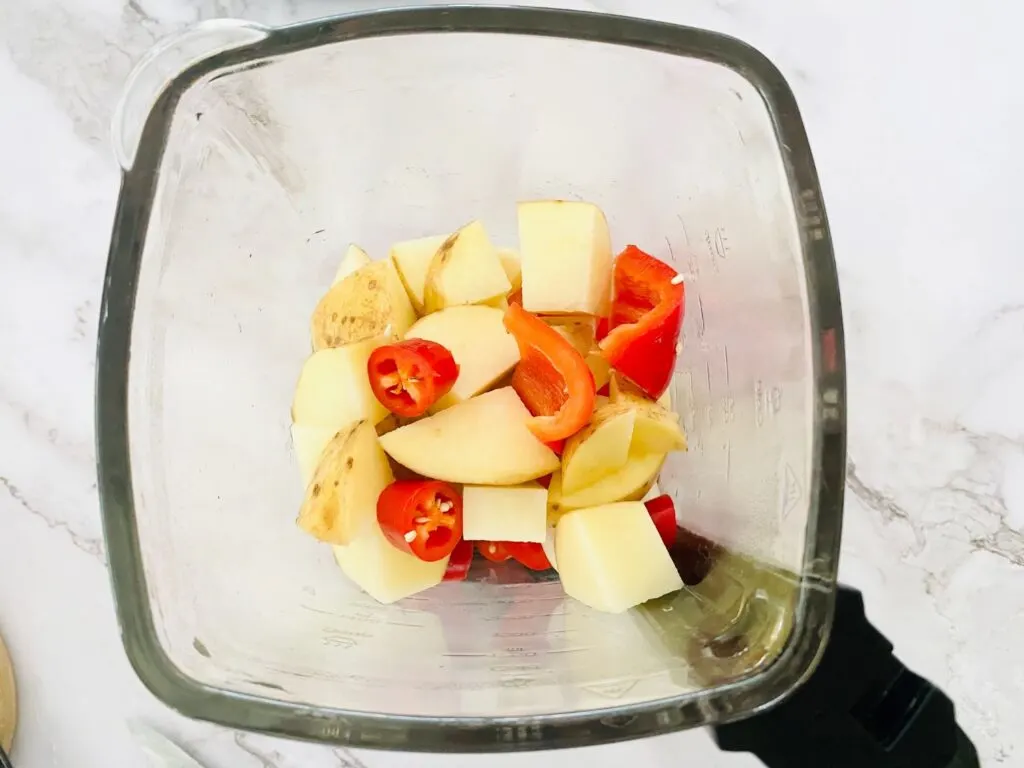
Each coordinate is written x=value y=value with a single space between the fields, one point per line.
x=914 y=112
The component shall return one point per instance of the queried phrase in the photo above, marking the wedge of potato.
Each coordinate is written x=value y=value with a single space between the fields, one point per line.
x=482 y=441
x=657 y=428
x=355 y=259
x=333 y=390
x=341 y=498
x=599 y=449
x=622 y=389
x=412 y=258
x=368 y=303
x=477 y=339
x=465 y=270
x=629 y=483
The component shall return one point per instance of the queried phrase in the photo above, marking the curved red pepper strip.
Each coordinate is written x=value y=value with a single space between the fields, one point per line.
x=552 y=378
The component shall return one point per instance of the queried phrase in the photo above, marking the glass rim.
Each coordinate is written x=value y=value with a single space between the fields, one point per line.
x=730 y=701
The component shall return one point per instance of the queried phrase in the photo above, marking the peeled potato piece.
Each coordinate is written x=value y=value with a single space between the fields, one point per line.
x=512 y=265
x=478 y=341
x=384 y=572
x=341 y=498
x=611 y=557
x=483 y=441
x=334 y=390
x=566 y=257
x=493 y=513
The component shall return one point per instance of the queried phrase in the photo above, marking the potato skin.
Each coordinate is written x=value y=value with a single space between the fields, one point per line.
x=361 y=306
x=351 y=473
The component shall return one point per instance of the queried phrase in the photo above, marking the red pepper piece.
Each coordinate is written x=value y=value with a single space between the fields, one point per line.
x=493 y=550
x=663 y=512
x=421 y=517
x=528 y=553
x=410 y=376
x=647 y=314
x=552 y=378
x=459 y=561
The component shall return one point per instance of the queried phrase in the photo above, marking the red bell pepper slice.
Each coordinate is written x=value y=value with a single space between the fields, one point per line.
x=410 y=376
x=493 y=550
x=647 y=314
x=459 y=561
x=421 y=517
x=552 y=378
x=663 y=512
x=528 y=553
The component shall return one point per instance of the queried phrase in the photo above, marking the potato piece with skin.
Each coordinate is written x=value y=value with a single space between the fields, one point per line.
x=388 y=424
x=622 y=389
x=341 y=498
x=465 y=270
x=482 y=441
x=477 y=339
x=598 y=450
x=413 y=258
x=368 y=303
x=611 y=557
x=308 y=443
x=629 y=483
x=555 y=508
x=513 y=513
x=334 y=390
x=384 y=572
x=657 y=428
x=566 y=257
x=355 y=259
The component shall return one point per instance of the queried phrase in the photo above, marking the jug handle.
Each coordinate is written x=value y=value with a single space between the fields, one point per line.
x=161 y=65
x=861 y=708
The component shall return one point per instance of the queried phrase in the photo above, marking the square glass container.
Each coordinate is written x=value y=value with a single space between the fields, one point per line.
x=251 y=157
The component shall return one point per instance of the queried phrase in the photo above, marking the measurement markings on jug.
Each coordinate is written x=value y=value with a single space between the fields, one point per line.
x=809 y=211
x=791 y=491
